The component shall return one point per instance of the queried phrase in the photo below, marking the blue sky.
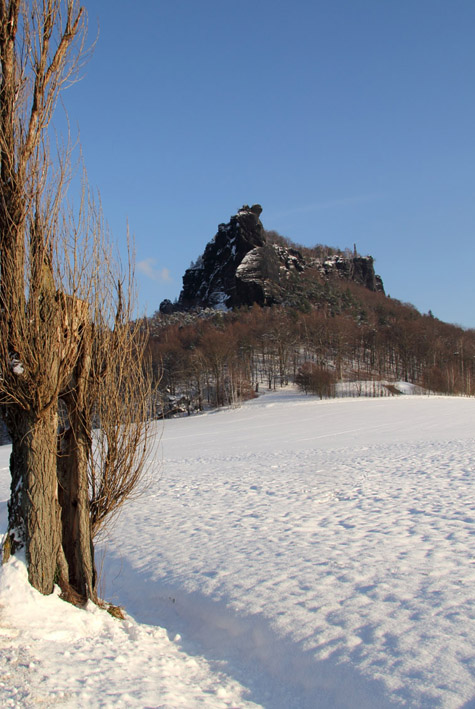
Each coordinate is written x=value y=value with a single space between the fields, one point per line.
x=349 y=121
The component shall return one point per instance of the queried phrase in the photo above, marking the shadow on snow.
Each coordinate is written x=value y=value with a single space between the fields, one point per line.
x=278 y=673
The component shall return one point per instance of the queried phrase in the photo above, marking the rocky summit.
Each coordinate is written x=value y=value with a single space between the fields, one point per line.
x=243 y=264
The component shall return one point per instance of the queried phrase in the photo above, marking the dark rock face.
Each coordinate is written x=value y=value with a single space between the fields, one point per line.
x=166 y=307
x=359 y=269
x=240 y=267
x=211 y=281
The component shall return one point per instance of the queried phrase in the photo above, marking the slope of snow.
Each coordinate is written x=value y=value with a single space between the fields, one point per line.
x=55 y=655
x=290 y=553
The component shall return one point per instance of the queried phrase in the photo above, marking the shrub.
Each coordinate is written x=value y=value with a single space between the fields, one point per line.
x=316 y=379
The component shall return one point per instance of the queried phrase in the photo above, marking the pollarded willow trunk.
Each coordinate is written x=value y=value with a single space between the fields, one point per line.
x=73 y=462
x=74 y=502
x=49 y=505
x=34 y=511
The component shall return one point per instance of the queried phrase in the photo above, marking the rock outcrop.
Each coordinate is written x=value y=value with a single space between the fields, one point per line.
x=241 y=266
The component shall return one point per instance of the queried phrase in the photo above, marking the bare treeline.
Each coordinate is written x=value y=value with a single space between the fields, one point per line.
x=217 y=358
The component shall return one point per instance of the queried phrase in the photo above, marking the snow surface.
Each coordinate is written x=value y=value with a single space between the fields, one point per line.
x=292 y=553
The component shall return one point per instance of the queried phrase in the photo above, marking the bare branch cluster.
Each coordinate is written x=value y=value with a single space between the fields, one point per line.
x=122 y=413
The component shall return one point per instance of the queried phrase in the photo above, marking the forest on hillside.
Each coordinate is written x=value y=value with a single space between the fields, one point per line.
x=211 y=358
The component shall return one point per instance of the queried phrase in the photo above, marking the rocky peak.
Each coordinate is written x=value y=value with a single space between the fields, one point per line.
x=210 y=282
x=240 y=266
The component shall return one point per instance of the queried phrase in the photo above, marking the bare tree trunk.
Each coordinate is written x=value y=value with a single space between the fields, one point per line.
x=34 y=512
x=74 y=501
x=73 y=461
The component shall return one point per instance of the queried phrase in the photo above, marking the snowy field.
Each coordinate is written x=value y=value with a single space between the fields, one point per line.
x=289 y=554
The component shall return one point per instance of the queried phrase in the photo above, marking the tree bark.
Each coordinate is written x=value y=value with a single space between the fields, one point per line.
x=75 y=449
x=74 y=501
x=34 y=512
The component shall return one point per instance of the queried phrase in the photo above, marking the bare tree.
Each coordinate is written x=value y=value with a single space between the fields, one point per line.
x=38 y=353
x=56 y=326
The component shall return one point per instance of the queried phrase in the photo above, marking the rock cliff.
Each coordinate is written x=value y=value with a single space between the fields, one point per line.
x=241 y=266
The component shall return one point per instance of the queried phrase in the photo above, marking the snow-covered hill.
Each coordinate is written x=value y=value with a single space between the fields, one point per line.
x=291 y=553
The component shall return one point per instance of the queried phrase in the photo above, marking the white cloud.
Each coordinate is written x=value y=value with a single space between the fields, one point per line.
x=148 y=268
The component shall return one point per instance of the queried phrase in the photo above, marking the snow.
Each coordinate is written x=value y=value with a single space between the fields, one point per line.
x=379 y=388
x=16 y=366
x=291 y=553
x=218 y=298
x=407 y=388
x=55 y=655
